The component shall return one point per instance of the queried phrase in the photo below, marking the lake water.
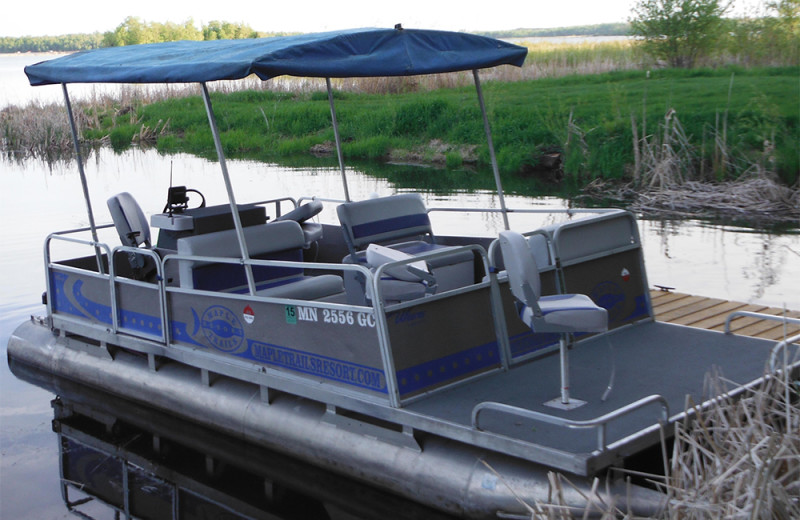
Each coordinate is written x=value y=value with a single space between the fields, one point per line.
x=37 y=198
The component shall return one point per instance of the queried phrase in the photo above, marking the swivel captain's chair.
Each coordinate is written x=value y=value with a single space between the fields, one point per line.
x=561 y=313
x=132 y=228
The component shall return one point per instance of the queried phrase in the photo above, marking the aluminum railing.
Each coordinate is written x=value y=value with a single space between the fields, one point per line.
x=599 y=423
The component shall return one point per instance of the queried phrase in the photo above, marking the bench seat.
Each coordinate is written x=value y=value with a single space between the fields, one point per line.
x=400 y=222
x=275 y=241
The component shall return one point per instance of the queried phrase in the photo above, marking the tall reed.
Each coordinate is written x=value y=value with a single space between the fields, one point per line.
x=737 y=458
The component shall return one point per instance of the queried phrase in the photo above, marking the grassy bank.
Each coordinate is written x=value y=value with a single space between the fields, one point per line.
x=708 y=124
x=724 y=122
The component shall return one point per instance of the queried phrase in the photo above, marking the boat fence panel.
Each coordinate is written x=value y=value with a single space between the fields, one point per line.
x=440 y=341
x=601 y=257
x=284 y=336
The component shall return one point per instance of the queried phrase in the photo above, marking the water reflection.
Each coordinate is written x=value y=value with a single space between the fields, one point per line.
x=121 y=458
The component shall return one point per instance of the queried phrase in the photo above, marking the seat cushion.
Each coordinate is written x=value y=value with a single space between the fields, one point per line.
x=566 y=313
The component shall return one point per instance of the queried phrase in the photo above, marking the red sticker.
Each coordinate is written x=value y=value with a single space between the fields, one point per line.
x=248 y=315
x=626 y=275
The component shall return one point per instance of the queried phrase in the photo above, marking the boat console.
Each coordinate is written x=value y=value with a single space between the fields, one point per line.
x=199 y=221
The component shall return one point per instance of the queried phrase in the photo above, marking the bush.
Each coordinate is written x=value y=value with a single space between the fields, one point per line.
x=678 y=31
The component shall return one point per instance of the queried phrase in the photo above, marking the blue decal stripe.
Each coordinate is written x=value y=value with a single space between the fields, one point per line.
x=437 y=371
x=130 y=320
x=529 y=341
x=388 y=225
x=316 y=365
x=139 y=322
x=61 y=302
x=98 y=311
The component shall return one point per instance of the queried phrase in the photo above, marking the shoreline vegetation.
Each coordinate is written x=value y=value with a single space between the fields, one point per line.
x=639 y=139
x=719 y=141
x=738 y=458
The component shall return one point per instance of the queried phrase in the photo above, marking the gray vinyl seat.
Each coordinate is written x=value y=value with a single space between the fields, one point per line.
x=282 y=241
x=560 y=313
x=312 y=231
x=401 y=223
x=399 y=283
x=133 y=230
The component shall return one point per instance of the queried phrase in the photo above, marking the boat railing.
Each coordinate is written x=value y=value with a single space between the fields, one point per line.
x=759 y=315
x=539 y=211
x=147 y=286
x=114 y=280
x=62 y=236
x=781 y=345
x=599 y=423
x=277 y=203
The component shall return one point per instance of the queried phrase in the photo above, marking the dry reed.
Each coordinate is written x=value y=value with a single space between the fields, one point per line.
x=670 y=179
x=739 y=457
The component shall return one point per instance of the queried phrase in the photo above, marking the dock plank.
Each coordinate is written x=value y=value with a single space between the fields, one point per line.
x=688 y=309
x=777 y=333
x=665 y=298
x=718 y=312
x=711 y=313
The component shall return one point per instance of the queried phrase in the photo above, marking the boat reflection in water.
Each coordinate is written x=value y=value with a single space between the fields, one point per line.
x=122 y=459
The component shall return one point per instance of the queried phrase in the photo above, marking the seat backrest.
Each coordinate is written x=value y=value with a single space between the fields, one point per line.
x=132 y=227
x=523 y=273
x=128 y=218
x=275 y=241
x=383 y=219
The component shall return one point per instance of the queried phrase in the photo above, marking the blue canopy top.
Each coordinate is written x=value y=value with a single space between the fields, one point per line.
x=339 y=54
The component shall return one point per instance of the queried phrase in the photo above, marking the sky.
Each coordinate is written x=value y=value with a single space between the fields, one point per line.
x=56 y=17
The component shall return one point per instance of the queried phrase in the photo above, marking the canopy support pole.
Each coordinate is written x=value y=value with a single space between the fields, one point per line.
x=492 y=156
x=75 y=140
x=338 y=139
x=237 y=221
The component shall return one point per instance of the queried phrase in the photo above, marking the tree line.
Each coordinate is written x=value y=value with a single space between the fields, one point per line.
x=603 y=29
x=132 y=31
x=687 y=33
x=676 y=33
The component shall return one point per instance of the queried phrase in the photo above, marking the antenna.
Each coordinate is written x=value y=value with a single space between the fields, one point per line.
x=177 y=201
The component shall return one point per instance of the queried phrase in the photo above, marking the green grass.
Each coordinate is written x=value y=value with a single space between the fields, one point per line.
x=527 y=117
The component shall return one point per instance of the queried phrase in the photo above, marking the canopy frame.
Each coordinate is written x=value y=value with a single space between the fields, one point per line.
x=84 y=183
x=415 y=51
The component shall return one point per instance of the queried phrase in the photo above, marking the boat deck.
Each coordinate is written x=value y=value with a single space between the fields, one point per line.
x=669 y=359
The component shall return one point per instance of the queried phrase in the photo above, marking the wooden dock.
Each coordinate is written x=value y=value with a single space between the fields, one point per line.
x=710 y=313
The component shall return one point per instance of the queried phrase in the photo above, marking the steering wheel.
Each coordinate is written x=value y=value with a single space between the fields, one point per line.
x=302 y=213
x=202 y=197
x=178 y=201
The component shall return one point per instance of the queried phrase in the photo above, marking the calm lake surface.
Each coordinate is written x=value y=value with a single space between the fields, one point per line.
x=37 y=198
